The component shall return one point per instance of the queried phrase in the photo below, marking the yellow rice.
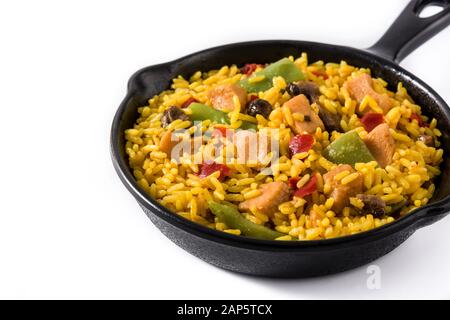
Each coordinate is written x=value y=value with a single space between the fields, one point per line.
x=177 y=187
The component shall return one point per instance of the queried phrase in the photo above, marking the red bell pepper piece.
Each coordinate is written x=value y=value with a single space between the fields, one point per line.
x=293 y=182
x=301 y=143
x=415 y=116
x=320 y=74
x=372 y=119
x=209 y=167
x=308 y=188
x=249 y=68
x=252 y=97
x=188 y=102
x=220 y=131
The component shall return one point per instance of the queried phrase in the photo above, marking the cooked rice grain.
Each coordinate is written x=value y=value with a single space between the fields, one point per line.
x=178 y=187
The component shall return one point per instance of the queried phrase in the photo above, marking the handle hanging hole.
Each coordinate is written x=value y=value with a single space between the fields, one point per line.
x=430 y=10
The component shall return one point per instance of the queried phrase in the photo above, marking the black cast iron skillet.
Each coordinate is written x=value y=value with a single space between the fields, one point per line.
x=295 y=258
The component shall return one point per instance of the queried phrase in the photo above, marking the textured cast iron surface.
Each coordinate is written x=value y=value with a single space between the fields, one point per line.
x=278 y=258
x=280 y=263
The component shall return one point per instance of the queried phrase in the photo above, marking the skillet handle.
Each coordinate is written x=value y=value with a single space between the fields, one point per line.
x=409 y=31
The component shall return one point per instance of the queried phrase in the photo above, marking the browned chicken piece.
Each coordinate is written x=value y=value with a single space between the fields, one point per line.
x=381 y=144
x=166 y=143
x=272 y=195
x=169 y=141
x=362 y=85
x=331 y=121
x=222 y=97
x=251 y=147
x=300 y=104
x=342 y=192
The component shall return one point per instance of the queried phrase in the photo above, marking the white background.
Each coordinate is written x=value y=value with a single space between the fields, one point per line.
x=68 y=227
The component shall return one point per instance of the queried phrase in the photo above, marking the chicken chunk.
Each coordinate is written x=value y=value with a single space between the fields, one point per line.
x=183 y=144
x=331 y=121
x=251 y=147
x=300 y=104
x=272 y=195
x=222 y=97
x=361 y=86
x=381 y=144
x=342 y=192
x=167 y=142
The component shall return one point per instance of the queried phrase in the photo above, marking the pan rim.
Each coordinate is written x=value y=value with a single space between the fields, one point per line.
x=122 y=169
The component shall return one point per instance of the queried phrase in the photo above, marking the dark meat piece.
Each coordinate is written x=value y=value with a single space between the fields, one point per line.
x=331 y=121
x=171 y=114
x=293 y=89
x=373 y=205
x=396 y=207
x=309 y=89
x=428 y=140
x=427 y=184
x=259 y=106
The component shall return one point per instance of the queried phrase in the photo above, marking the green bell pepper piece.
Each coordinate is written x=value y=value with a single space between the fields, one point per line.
x=284 y=68
x=202 y=112
x=234 y=219
x=349 y=148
